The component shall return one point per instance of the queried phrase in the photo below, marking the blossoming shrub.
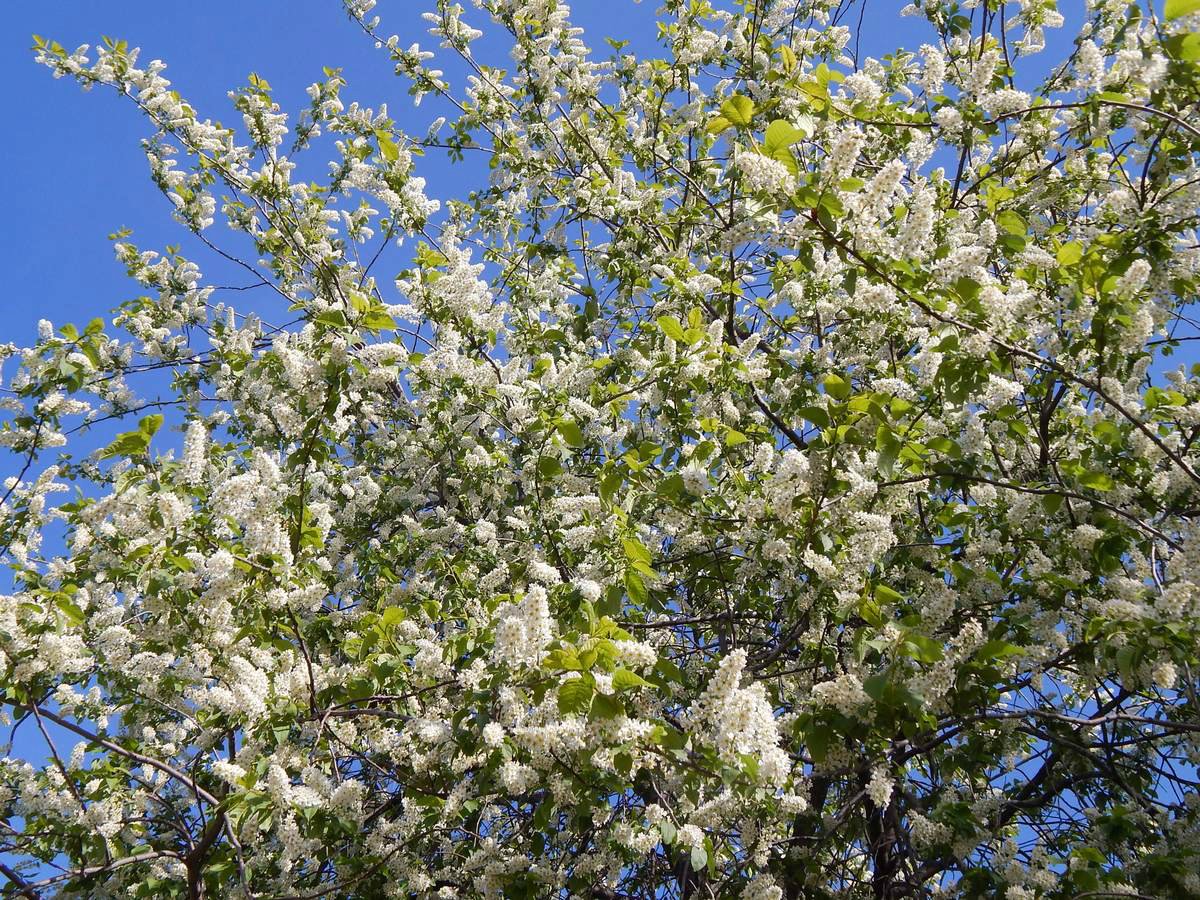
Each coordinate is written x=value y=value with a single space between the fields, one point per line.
x=771 y=481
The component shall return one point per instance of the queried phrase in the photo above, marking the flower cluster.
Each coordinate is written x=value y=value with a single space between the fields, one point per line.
x=774 y=476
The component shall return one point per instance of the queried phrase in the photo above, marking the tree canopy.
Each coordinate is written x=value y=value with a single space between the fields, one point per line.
x=774 y=479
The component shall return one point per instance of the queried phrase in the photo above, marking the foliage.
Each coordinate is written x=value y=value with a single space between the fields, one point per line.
x=771 y=481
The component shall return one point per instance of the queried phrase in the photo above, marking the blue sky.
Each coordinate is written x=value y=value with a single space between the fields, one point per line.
x=71 y=169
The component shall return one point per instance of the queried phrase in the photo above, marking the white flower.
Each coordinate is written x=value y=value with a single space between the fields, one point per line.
x=1164 y=675
x=880 y=787
x=695 y=477
x=761 y=173
x=493 y=734
x=588 y=589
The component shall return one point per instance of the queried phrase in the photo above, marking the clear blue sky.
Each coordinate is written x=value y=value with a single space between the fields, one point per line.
x=71 y=169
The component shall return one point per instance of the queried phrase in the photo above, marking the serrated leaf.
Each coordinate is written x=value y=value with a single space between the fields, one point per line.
x=1069 y=253
x=817 y=741
x=1185 y=47
x=378 y=320
x=876 y=685
x=739 y=110
x=1011 y=222
x=1097 y=481
x=610 y=485
x=635 y=587
x=625 y=680
x=541 y=816
x=779 y=136
x=837 y=387
x=733 y=437
x=74 y=614
x=885 y=594
x=1177 y=8
x=131 y=443
x=562 y=659
x=668 y=670
x=816 y=415
x=921 y=648
x=150 y=424
x=636 y=551
x=571 y=432
x=606 y=707
x=387 y=147
x=997 y=650
x=870 y=612
x=574 y=696
x=717 y=124
x=334 y=318
x=672 y=328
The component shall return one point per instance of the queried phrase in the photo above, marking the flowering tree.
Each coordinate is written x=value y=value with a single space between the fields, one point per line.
x=770 y=482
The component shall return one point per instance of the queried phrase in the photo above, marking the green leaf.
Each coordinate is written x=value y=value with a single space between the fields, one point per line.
x=921 y=648
x=610 y=485
x=74 y=614
x=635 y=586
x=888 y=446
x=606 y=707
x=672 y=328
x=997 y=650
x=1011 y=222
x=334 y=318
x=387 y=147
x=1185 y=47
x=886 y=595
x=625 y=680
x=733 y=437
x=876 y=686
x=1069 y=253
x=574 y=696
x=738 y=110
x=717 y=124
x=378 y=320
x=668 y=670
x=541 y=816
x=562 y=659
x=837 y=387
x=1097 y=481
x=150 y=424
x=571 y=432
x=817 y=741
x=699 y=858
x=870 y=612
x=778 y=140
x=636 y=551
x=816 y=415
x=1177 y=8
x=780 y=135
x=944 y=445
x=131 y=443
